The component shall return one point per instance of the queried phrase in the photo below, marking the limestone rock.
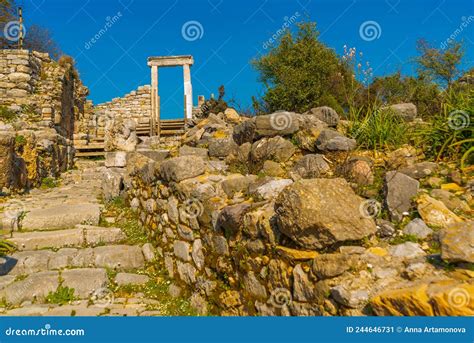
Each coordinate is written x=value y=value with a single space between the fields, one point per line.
x=399 y=191
x=435 y=213
x=192 y=151
x=271 y=189
x=406 y=111
x=244 y=132
x=457 y=242
x=181 y=168
x=331 y=140
x=417 y=228
x=222 y=147
x=327 y=266
x=317 y=213
x=407 y=250
x=325 y=114
x=311 y=166
x=280 y=123
x=131 y=279
x=277 y=149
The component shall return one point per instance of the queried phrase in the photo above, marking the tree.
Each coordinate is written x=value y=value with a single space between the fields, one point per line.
x=439 y=65
x=36 y=38
x=396 y=88
x=300 y=72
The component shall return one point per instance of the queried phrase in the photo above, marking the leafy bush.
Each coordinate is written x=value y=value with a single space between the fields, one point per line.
x=393 y=89
x=301 y=73
x=49 y=182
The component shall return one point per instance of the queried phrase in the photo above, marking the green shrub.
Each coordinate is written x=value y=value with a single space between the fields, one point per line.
x=300 y=73
x=214 y=105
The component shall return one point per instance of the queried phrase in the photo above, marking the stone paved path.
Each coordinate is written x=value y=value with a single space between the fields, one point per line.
x=61 y=245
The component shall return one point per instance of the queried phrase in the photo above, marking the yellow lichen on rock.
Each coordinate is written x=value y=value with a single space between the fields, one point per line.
x=410 y=301
x=450 y=298
x=435 y=213
x=294 y=254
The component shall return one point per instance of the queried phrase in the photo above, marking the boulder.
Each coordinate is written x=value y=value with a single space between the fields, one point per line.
x=232 y=116
x=400 y=189
x=222 y=147
x=277 y=149
x=112 y=184
x=317 y=213
x=280 y=123
x=192 y=151
x=406 y=111
x=331 y=265
x=417 y=228
x=325 y=114
x=271 y=168
x=457 y=242
x=230 y=218
x=271 y=189
x=331 y=140
x=435 y=213
x=310 y=166
x=419 y=170
x=181 y=168
x=358 y=170
x=244 y=132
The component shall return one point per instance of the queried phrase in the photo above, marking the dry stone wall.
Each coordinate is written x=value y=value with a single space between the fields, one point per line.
x=40 y=102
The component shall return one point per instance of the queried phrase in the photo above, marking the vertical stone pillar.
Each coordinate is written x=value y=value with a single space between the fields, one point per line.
x=188 y=92
x=155 y=103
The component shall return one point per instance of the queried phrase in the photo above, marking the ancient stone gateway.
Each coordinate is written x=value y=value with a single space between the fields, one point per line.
x=169 y=61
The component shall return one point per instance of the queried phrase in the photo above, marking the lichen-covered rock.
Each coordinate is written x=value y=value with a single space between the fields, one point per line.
x=244 y=132
x=405 y=111
x=310 y=166
x=280 y=123
x=435 y=213
x=317 y=213
x=325 y=114
x=417 y=228
x=457 y=242
x=331 y=140
x=424 y=298
x=277 y=149
x=181 y=168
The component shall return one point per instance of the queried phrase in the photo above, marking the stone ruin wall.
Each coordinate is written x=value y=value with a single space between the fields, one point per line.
x=135 y=105
x=41 y=100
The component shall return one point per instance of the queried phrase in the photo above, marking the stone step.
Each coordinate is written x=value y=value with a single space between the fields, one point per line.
x=60 y=216
x=119 y=257
x=86 y=283
x=80 y=236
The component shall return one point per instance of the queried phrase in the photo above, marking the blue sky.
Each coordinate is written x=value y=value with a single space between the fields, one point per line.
x=232 y=33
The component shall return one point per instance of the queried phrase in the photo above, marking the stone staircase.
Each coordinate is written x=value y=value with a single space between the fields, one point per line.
x=60 y=244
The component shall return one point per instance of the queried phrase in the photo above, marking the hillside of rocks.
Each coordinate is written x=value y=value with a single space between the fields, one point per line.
x=283 y=214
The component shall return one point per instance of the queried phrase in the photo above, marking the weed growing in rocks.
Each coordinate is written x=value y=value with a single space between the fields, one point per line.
x=61 y=296
x=50 y=182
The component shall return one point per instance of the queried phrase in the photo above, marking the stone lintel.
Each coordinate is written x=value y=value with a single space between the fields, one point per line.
x=170 y=61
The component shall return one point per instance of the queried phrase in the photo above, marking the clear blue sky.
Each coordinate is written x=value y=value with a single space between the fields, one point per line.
x=230 y=34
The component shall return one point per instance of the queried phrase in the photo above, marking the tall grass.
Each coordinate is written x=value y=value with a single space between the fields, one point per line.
x=449 y=134
x=377 y=129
